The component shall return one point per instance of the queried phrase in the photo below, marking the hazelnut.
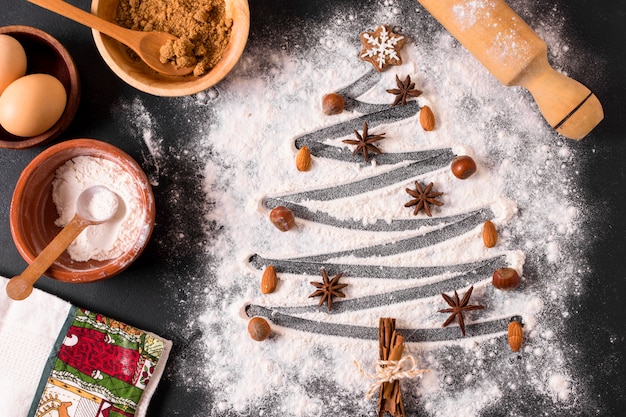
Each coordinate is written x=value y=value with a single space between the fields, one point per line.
x=505 y=279
x=282 y=218
x=463 y=167
x=258 y=328
x=333 y=103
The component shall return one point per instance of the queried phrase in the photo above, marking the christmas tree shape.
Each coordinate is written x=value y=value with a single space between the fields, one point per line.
x=424 y=281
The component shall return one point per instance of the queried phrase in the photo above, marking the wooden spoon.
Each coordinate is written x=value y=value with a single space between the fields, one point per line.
x=146 y=45
x=20 y=286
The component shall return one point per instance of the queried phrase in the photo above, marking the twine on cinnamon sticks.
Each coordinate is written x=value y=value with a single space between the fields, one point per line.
x=390 y=369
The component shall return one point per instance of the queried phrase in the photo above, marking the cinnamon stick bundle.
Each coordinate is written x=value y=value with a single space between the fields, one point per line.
x=390 y=348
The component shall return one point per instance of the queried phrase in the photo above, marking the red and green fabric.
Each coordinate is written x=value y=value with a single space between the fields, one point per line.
x=100 y=368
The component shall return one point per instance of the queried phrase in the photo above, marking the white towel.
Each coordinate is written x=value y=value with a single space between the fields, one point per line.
x=31 y=331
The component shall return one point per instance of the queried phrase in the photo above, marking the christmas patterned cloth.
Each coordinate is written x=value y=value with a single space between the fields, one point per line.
x=60 y=360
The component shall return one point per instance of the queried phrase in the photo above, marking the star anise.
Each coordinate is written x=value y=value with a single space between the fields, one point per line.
x=423 y=198
x=364 y=142
x=405 y=90
x=458 y=307
x=328 y=289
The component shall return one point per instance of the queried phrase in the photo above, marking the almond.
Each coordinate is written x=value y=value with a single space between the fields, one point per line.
x=303 y=159
x=269 y=280
x=515 y=335
x=427 y=119
x=490 y=234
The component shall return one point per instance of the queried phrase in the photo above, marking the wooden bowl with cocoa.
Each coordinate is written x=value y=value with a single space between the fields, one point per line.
x=215 y=34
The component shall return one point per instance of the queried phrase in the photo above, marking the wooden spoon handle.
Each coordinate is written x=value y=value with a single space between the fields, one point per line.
x=20 y=286
x=90 y=20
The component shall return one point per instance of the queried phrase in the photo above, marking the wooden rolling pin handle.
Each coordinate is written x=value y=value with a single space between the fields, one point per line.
x=516 y=55
x=567 y=105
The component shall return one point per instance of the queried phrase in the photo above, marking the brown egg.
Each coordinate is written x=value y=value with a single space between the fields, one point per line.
x=32 y=104
x=12 y=61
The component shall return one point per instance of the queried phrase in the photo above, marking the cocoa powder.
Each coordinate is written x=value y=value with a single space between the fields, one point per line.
x=202 y=27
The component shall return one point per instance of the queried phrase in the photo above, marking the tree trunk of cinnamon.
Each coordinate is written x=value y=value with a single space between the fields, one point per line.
x=391 y=346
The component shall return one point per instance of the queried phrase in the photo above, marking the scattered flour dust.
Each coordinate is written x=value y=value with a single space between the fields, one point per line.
x=527 y=175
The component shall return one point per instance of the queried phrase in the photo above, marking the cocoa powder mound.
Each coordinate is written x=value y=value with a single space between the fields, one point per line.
x=202 y=27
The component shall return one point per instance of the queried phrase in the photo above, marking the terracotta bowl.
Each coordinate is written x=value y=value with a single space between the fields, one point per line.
x=140 y=76
x=44 y=54
x=33 y=213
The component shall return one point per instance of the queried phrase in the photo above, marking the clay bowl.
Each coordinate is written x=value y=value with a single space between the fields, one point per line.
x=140 y=76
x=45 y=54
x=33 y=213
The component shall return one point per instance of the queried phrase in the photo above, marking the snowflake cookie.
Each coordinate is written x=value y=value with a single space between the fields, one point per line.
x=382 y=47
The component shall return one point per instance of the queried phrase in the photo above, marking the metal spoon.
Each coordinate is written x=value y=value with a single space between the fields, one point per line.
x=145 y=44
x=20 y=286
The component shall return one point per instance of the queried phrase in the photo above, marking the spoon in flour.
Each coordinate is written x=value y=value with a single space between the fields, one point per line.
x=147 y=45
x=95 y=205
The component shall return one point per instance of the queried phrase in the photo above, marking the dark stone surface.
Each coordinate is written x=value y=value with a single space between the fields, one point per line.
x=598 y=325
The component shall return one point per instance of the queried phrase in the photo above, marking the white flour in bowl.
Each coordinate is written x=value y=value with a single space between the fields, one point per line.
x=108 y=240
x=102 y=204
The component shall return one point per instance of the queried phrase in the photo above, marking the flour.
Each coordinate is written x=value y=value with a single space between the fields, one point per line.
x=112 y=238
x=351 y=219
x=102 y=204
x=468 y=12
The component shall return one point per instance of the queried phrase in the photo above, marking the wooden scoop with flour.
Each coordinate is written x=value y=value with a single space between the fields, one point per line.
x=516 y=55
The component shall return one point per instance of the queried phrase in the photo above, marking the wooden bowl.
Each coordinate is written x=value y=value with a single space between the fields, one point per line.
x=139 y=75
x=33 y=213
x=45 y=54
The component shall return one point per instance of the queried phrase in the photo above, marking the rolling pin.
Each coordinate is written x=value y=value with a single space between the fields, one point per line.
x=517 y=56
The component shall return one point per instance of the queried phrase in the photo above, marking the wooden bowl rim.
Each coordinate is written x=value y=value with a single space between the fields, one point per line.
x=108 y=268
x=171 y=87
x=73 y=96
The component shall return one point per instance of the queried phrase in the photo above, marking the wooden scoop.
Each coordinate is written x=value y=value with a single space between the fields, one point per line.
x=20 y=287
x=516 y=55
x=146 y=45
